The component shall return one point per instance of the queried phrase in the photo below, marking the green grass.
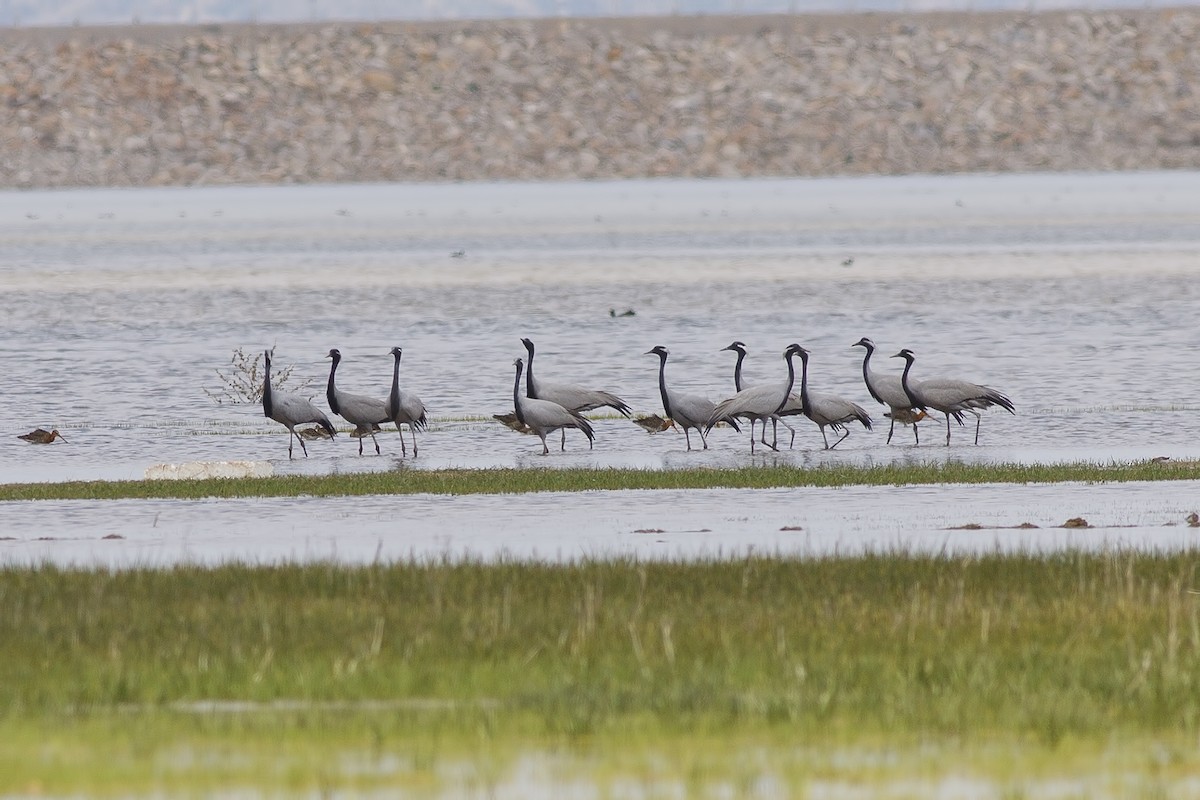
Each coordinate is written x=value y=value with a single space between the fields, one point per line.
x=491 y=481
x=884 y=669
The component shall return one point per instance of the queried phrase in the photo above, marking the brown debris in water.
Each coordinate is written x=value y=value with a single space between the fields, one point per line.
x=1076 y=522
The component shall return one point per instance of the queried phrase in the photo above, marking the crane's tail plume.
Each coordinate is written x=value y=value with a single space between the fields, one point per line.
x=585 y=426
x=996 y=398
x=614 y=402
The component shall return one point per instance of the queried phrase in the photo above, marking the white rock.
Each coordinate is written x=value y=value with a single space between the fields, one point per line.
x=197 y=470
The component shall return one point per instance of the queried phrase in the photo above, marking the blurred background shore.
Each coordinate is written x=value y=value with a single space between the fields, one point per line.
x=559 y=99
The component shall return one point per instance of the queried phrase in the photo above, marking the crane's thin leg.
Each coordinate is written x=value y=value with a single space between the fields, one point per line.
x=378 y=452
x=892 y=427
x=823 y=438
x=360 y=438
x=839 y=441
x=563 y=446
x=775 y=433
x=978 y=419
x=947 y=430
x=752 y=438
x=413 y=433
x=688 y=436
x=545 y=449
x=400 y=432
x=303 y=449
x=785 y=424
x=916 y=434
x=703 y=437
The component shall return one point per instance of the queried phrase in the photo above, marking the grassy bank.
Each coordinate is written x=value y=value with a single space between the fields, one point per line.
x=492 y=481
x=423 y=676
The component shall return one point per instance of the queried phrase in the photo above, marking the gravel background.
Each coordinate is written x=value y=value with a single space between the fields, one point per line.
x=553 y=99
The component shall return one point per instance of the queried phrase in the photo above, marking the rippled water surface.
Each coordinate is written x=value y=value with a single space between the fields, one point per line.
x=1073 y=294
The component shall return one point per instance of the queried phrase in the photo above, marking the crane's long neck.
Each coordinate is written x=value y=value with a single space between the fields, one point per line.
x=268 y=398
x=394 y=394
x=912 y=398
x=867 y=379
x=737 y=370
x=787 y=391
x=517 y=397
x=331 y=388
x=803 y=382
x=530 y=391
x=662 y=385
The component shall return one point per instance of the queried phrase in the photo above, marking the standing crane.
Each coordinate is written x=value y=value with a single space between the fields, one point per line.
x=405 y=407
x=758 y=402
x=828 y=410
x=887 y=390
x=365 y=413
x=543 y=416
x=687 y=410
x=951 y=396
x=290 y=409
x=568 y=395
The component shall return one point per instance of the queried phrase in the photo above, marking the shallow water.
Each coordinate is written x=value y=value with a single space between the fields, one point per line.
x=1073 y=294
x=693 y=524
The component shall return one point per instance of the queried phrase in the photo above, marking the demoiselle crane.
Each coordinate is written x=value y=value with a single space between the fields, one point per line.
x=568 y=395
x=543 y=416
x=290 y=409
x=887 y=390
x=405 y=407
x=950 y=396
x=740 y=349
x=365 y=413
x=761 y=402
x=828 y=410
x=687 y=410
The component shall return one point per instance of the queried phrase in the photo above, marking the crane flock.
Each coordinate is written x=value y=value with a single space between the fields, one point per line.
x=543 y=408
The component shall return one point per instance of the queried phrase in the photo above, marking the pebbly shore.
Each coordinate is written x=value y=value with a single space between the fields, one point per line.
x=597 y=99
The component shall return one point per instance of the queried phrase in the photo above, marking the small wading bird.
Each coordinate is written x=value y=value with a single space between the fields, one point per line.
x=405 y=407
x=740 y=349
x=888 y=390
x=828 y=409
x=761 y=402
x=543 y=417
x=950 y=396
x=570 y=396
x=653 y=423
x=365 y=413
x=290 y=409
x=687 y=410
x=511 y=421
x=42 y=436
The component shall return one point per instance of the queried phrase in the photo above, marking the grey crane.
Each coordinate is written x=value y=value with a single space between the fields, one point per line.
x=687 y=410
x=762 y=402
x=365 y=413
x=543 y=416
x=405 y=408
x=888 y=390
x=569 y=396
x=950 y=396
x=740 y=349
x=290 y=409
x=828 y=410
